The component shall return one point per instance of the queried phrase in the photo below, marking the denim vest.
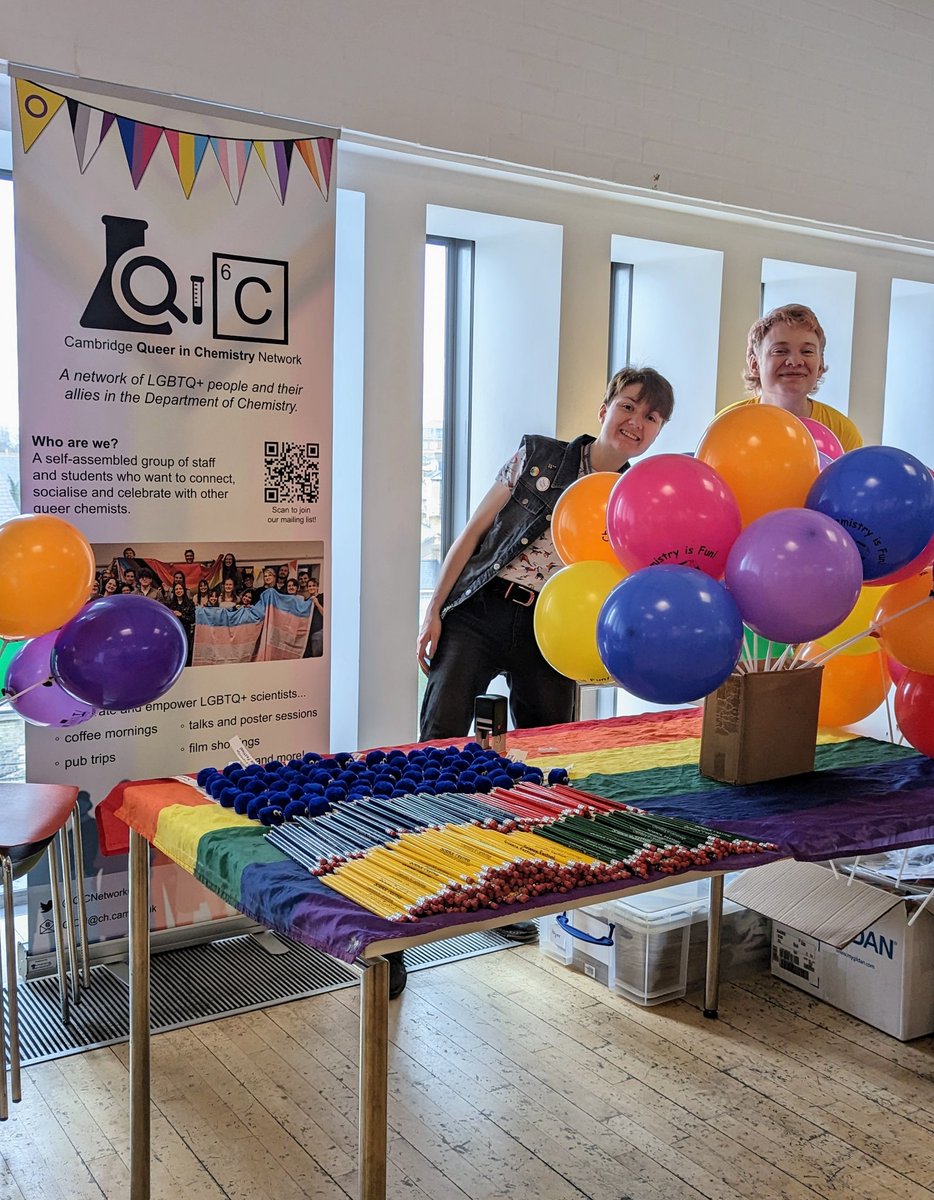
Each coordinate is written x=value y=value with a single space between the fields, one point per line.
x=526 y=514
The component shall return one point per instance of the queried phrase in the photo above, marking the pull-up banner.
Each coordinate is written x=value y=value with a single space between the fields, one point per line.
x=175 y=267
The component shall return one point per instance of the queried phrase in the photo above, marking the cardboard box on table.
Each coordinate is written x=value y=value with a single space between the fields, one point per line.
x=848 y=944
x=761 y=725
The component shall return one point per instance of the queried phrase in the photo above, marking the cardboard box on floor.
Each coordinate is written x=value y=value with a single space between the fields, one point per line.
x=848 y=944
x=761 y=725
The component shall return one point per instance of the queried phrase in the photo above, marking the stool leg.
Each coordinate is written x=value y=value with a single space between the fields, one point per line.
x=4 y=1100
x=70 y=910
x=55 y=870
x=16 y=1087
x=78 y=845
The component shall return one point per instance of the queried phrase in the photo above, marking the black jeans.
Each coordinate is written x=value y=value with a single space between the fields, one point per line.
x=486 y=636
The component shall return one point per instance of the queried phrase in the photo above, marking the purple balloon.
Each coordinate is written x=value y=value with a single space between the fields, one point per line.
x=120 y=652
x=45 y=702
x=795 y=574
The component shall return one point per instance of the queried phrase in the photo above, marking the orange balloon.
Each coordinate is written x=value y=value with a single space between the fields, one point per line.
x=852 y=687
x=578 y=524
x=48 y=572
x=767 y=457
x=909 y=638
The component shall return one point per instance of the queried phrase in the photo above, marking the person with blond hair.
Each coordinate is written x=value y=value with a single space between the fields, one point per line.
x=785 y=365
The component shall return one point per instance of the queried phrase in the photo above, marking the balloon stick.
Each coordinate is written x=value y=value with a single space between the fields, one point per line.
x=869 y=632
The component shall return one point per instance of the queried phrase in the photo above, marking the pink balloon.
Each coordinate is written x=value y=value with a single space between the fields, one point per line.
x=827 y=442
x=669 y=509
x=896 y=670
x=915 y=567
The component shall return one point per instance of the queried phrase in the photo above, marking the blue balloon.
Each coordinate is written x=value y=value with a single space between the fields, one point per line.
x=884 y=498
x=669 y=634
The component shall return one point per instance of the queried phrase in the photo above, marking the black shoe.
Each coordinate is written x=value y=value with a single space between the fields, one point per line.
x=398 y=974
x=519 y=931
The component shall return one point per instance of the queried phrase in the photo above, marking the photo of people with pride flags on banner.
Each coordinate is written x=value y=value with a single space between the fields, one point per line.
x=240 y=603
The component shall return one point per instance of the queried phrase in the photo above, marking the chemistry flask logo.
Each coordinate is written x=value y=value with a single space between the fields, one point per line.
x=139 y=292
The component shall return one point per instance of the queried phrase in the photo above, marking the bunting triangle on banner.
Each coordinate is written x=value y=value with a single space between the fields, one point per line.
x=89 y=127
x=187 y=153
x=276 y=157
x=316 y=153
x=232 y=157
x=139 y=142
x=37 y=106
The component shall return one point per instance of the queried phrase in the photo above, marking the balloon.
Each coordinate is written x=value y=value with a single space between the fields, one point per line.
x=578 y=524
x=669 y=634
x=765 y=455
x=44 y=702
x=915 y=567
x=795 y=574
x=852 y=686
x=7 y=654
x=908 y=638
x=566 y=618
x=48 y=573
x=914 y=711
x=827 y=442
x=858 y=621
x=823 y=460
x=884 y=497
x=896 y=670
x=120 y=652
x=671 y=508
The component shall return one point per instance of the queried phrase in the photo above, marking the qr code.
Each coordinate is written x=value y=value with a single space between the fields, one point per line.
x=291 y=472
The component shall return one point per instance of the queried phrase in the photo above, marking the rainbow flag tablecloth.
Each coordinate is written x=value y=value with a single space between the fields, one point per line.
x=863 y=796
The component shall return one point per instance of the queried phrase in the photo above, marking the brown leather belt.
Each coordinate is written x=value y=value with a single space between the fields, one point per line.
x=516 y=592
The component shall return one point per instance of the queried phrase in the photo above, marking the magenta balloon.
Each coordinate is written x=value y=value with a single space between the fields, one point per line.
x=44 y=702
x=827 y=442
x=672 y=509
x=120 y=652
x=794 y=578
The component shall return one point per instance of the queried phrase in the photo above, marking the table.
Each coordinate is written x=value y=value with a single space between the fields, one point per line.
x=864 y=795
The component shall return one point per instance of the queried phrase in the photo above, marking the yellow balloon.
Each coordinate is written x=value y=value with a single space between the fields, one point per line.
x=852 y=686
x=859 y=620
x=766 y=455
x=48 y=571
x=566 y=619
x=909 y=638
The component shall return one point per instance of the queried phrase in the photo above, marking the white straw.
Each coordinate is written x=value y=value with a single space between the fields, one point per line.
x=868 y=632
x=32 y=687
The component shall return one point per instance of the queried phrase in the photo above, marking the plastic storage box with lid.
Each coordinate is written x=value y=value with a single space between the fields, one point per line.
x=638 y=945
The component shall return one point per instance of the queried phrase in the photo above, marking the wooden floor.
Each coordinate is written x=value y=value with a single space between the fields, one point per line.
x=512 y=1078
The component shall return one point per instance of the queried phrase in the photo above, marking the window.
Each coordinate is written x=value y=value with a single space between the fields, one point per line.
x=445 y=402
x=620 y=340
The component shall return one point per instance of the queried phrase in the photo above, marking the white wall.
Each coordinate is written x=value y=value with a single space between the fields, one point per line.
x=816 y=108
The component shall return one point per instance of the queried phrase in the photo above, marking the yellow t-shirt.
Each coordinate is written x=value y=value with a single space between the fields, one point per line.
x=841 y=426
